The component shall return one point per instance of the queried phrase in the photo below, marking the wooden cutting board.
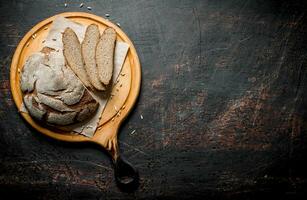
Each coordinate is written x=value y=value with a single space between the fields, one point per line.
x=118 y=107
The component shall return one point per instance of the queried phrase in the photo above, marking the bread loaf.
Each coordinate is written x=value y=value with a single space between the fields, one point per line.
x=105 y=55
x=73 y=55
x=88 y=48
x=52 y=92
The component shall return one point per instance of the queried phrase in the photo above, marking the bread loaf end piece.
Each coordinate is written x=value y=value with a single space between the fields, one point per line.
x=88 y=48
x=105 y=55
x=73 y=55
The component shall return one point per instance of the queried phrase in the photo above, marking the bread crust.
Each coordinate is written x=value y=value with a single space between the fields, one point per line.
x=51 y=91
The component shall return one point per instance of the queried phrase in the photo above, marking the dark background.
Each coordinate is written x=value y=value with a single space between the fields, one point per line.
x=223 y=98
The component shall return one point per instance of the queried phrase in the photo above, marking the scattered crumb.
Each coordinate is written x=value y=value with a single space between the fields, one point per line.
x=141 y=116
x=27 y=44
x=89 y=8
x=81 y=5
x=122 y=74
x=33 y=36
x=18 y=70
x=118 y=24
x=65 y=4
x=54 y=39
x=57 y=50
x=45 y=28
x=117 y=89
x=124 y=106
x=43 y=41
x=133 y=132
x=115 y=108
x=107 y=15
x=120 y=85
x=113 y=119
x=118 y=114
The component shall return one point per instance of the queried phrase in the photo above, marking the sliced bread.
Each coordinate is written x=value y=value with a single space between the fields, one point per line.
x=73 y=55
x=88 y=48
x=105 y=55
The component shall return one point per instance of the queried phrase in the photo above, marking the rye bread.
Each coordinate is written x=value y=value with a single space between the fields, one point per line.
x=105 y=55
x=73 y=55
x=51 y=91
x=88 y=48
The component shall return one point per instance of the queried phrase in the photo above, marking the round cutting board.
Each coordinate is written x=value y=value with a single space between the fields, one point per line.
x=118 y=107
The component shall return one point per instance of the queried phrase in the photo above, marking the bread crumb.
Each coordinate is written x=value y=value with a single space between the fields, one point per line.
x=107 y=15
x=33 y=36
x=89 y=8
x=27 y=44
x=113 y=119
x=81 y=5
x=115 y=108
x=65 y=4
x=118 y=24
x=122 y=74
x=45 y=28
x=54 y=39
x=132 y=132
x=124 y=106
x=141 y=116
x=43 y=41
x=120 y=85
x=18 y=70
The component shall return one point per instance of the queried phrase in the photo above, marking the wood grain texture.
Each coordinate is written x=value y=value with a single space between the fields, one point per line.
x=223 y=99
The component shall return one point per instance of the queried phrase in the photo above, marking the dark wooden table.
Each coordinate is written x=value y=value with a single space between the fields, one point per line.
x=223 y=99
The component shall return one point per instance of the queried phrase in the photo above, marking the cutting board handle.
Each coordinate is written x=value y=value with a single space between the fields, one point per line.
x=126 y=176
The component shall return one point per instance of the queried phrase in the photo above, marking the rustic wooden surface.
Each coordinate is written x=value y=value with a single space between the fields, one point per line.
x=223 y=99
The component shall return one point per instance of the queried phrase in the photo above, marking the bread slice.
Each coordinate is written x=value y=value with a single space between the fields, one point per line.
x=73 y=55
x=88 y=48
x=105 y=55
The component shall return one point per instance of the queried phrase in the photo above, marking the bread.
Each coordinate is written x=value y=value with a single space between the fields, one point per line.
x=73 y=55
x=88 y=48
x=105 y=55
x=51 y=91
